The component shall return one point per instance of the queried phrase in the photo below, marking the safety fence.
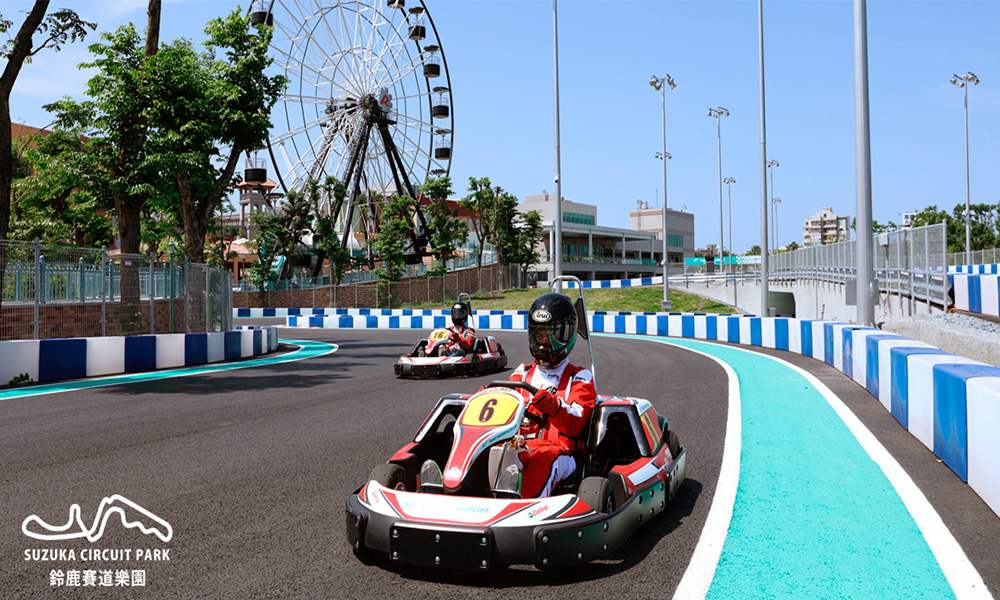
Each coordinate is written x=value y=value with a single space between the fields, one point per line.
x=409 y=292
x=947 y=402
x=52 y=291
x=979 y=257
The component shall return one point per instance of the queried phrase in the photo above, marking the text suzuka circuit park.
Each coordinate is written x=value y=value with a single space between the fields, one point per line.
x=292 y=305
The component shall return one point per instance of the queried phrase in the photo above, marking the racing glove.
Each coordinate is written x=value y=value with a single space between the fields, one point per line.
x=546 y=402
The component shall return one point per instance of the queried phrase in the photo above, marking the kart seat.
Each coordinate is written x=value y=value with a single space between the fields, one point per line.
x=481 y=346
x=619 y=446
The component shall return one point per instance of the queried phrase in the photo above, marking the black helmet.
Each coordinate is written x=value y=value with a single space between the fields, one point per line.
x=459 y=313
x=551 y=328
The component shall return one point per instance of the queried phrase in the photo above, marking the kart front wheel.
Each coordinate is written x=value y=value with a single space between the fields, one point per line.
x=389 y=475
x=598 y=493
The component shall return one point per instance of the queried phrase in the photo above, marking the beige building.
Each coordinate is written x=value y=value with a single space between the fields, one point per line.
x=680 y=229
x=826 y=227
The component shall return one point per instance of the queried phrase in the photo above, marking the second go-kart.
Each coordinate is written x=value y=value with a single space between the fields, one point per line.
x=631 y=467
x=438 y=356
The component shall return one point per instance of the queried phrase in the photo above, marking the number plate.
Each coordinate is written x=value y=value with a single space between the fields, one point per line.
x=448 y=548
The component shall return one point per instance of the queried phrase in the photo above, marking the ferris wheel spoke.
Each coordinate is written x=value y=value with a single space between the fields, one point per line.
x=402 y=72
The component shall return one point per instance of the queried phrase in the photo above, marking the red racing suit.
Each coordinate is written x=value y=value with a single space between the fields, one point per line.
x=462 y=338
x=549 y=459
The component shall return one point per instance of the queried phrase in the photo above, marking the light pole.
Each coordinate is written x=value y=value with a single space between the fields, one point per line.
x=729 y=181
x=718 y=113
x=557 y=226
x=771 y=164
x=660 y=84
x=774 y=218
x=963 y=82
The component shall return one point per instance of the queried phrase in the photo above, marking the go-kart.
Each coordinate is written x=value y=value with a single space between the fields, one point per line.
x=629 y=471
x=429 y=357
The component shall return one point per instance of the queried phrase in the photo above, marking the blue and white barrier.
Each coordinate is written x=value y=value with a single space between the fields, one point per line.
x=618 y=283
x=329 y=312
x=948 y=402
x=977 y=293
x=990 y=269
x=74 y=358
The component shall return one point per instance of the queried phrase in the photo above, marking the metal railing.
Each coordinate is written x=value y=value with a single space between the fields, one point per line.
x=67 y=291
x=910 y=262
x=989 y=256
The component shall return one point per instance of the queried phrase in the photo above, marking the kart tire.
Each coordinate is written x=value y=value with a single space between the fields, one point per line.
x=389 y=475
x=598 y=493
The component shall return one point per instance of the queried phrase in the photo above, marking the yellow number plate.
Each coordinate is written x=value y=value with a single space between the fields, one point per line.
x=491 y=409
x=440 y=334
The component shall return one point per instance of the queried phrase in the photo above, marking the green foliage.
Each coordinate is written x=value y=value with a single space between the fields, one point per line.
x=754 y=250
x=983 y=222
x=325 y=238
x=52 y=202
x=395 y=229
x=21 y=379
x=60 y=27
x=206 y=110
x=269 y=230
x=448 y=232
x=522 y=249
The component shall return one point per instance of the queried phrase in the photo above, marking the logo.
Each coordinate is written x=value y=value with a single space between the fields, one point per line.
x=131 y=514
x=541 y=316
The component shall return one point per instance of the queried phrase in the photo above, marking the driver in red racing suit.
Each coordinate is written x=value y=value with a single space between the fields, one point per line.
x=566 y=396
x=462 y=337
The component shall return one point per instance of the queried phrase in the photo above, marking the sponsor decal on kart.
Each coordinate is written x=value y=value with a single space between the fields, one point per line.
x=459 y=510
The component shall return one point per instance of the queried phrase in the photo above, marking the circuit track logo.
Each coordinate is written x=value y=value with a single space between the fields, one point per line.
x=147 y=522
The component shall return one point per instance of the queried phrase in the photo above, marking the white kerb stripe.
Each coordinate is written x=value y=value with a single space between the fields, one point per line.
x=698 y=576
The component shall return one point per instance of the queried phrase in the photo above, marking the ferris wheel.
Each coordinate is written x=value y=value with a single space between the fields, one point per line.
x=368 y=101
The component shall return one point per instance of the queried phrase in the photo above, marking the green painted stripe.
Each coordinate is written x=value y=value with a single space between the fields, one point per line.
x=815 y=516
x=307 y=349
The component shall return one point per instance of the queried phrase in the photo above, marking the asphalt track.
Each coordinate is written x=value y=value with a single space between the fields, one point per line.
x=251 y=468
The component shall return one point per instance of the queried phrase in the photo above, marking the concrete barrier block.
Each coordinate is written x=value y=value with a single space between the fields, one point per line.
x=246 y=344
x=105 y=356
x=991 y=295
x=746 y=333
x=875 y=374
x=170 y=351
x=216 y=346
x=951 y=416
x=920 y=382
x=892 y=382
x=18 y=357
x=818 y=339
x=859 y=354
x=140 y=353
x=983 y=402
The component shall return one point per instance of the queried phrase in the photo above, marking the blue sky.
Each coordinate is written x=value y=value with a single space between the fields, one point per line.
x=500 y=60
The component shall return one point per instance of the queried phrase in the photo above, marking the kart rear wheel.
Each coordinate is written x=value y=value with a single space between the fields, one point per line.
x=389 y=475
x=598 y=493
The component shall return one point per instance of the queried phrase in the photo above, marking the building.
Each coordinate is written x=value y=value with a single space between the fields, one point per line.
x=680 y=229
x=826 y=227
x=591 y=251
x=908 y=219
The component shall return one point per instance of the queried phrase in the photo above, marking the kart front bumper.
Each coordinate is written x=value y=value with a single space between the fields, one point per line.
x=449 y=369
x=431 y=544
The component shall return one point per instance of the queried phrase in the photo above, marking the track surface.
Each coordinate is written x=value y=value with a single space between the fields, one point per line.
x=251 y=468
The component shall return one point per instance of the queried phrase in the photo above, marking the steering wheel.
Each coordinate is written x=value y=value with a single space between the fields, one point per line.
x=539 y=420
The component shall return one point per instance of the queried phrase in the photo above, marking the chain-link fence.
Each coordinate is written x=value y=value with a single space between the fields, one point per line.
x=68 y=291
x=910 y=262
x=412 y=292
x=990 y=256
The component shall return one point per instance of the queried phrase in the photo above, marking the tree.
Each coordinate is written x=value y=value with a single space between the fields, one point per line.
x=51 y=203
x=396 y=228
x=754 y=250
x=206 y=112
x=792 y=246
x=523 y=250
x=480 y=195
x=448 y=232
x=58 y=28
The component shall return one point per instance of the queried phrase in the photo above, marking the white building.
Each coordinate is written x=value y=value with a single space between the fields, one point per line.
x=825 y=227
x=591 y=251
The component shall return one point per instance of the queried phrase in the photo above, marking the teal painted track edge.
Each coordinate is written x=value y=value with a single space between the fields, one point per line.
x=307 y=349
x=794 y=533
